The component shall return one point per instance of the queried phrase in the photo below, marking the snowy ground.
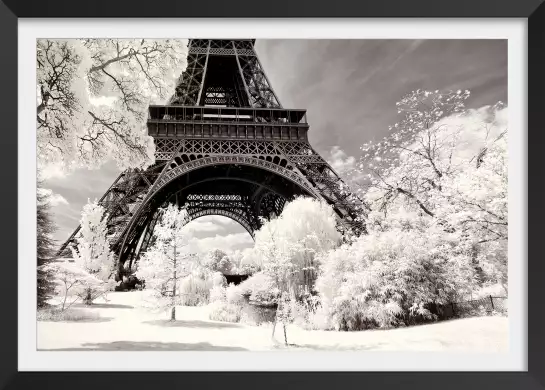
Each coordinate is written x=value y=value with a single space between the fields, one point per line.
x=124 y=325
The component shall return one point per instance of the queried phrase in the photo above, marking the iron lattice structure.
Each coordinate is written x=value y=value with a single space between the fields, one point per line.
x=224 y=146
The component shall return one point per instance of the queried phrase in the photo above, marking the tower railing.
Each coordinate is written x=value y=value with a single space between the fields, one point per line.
x=175 y=113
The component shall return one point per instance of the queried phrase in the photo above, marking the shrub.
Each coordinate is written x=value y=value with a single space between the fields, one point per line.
x=298 y=312
x=194 y=291
x=233 y=295
x=259 y=288
x=318 y=319
x=390 y=278
x=218 y=279
x=257 y=315
x=217 y=293
x=223 y=311
x=228 y=304
x=88 y=292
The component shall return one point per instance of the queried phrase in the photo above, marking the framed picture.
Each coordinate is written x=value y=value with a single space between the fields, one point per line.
x=279 y=194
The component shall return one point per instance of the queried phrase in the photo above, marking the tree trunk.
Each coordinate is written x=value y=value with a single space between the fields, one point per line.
x=65 y=296
x=285 y=335
x=173 y=313
x=274 y=327
x=88 y=298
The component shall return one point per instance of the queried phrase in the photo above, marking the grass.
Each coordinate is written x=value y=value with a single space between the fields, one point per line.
x=54 y=314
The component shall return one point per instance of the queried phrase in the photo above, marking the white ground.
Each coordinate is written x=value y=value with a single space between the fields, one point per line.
x=124 y=325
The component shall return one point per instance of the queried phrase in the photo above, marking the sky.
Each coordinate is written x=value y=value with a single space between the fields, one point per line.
x=349 y=88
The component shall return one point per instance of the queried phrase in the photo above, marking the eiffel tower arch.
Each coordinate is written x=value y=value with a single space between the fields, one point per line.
x=224 y=146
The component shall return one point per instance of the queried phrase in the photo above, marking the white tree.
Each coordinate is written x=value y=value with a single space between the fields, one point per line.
x=437 y=189
x=275 y=252
x=249 y=262
x=448 y=164
x=287 y=247
x=306 y=227
x=72 y=283
x=92 y=253
x=218 y=261
x=92 y=98
x=406 y=162
x=311 y=227
x=167 y=261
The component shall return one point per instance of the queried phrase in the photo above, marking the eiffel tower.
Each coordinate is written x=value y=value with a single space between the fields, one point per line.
x=224 y=146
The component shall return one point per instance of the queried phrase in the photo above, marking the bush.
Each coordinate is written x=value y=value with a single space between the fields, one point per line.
x=387 y=279
x=229 y=305
x=257 y=315
x=259 y=288
x=218 y=279
x=223 y=311
x=318 y=320
x=233 y=295
x=194 y=291
x=89 y=292
x=217 y=293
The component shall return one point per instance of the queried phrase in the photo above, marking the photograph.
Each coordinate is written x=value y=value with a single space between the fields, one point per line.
x=272 y=194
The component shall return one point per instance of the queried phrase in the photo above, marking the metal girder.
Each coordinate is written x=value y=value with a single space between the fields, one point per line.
x=119 y=200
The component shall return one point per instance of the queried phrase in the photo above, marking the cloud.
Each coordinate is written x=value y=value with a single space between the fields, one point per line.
x=203 y=225
x=340 y=161
x=344 y=165
x=211 y=225
x=217 y=232
x=217 y=219
x=227 y=243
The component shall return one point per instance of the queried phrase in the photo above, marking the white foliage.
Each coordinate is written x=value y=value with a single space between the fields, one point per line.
x=386 y=274
x=218 y=279
x=452 y=170
x=93 y=249
x=220 y=310
x=494 y=290
x=195 y=290
x=233 y=295
x=250 y=262
x=438 y=220
x=92 y=98
x=287 y=246
x=93 y=254
x=226 y=303
x=218 y=261
x=74 y=283
x=167 y=266
x=217 y=293
x=259 y=288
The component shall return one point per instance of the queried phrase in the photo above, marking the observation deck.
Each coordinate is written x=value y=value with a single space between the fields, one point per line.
x=213 y=122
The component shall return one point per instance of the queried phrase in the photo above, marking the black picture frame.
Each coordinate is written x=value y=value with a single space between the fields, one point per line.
x=531 y=10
